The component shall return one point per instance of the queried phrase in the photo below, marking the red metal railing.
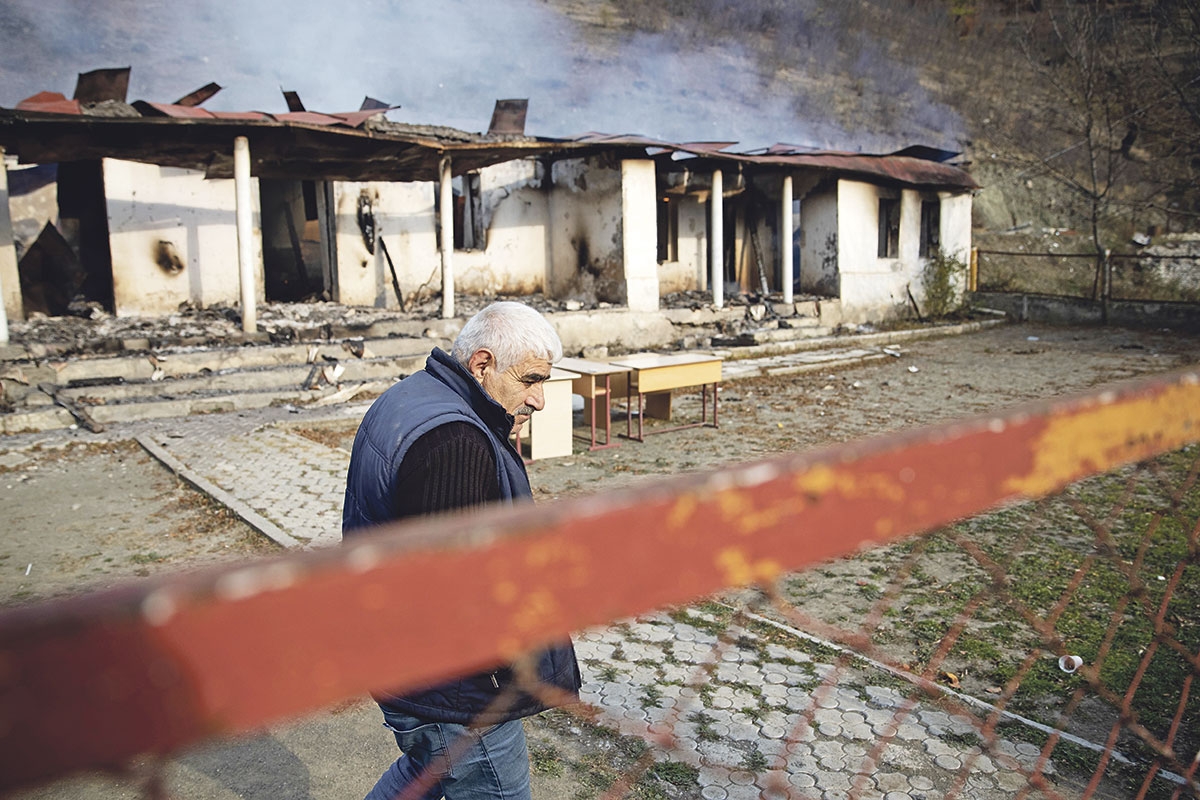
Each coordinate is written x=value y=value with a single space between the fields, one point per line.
x=177 y=660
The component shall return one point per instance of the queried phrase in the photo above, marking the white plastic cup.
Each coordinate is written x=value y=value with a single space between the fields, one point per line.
x=1069 y=664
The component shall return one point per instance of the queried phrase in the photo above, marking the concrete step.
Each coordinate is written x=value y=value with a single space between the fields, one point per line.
x=135 y=386
x=179 y=363
x=282 y=378
x=796 y=329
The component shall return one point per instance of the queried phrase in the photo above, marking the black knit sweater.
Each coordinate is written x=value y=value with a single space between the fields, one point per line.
x=450 y=467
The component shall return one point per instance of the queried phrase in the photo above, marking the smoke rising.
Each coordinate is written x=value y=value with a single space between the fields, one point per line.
x=446 y=62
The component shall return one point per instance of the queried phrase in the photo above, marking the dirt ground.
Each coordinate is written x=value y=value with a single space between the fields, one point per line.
x=83 y=514
x=90 y=515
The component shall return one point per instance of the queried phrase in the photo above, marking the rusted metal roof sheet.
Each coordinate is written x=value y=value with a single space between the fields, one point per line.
x=891 y=168
x=903 y=169
x=352 y=119
x=199 y=96
x=50 y=103
x=101 y=85
x=508 y=117
x=363 y=145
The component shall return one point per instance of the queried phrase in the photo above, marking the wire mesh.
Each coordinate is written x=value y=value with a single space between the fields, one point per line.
x=1045 y=650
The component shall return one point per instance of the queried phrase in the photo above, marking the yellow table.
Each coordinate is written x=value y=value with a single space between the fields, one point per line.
x=650 y=373
x=589 y=386
x=550 y=430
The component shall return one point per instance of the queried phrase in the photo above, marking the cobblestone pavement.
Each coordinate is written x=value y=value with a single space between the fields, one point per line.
x=758 y=719
x=755 y=719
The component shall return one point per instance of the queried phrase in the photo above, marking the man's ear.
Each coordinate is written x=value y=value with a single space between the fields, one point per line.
x=480 y=361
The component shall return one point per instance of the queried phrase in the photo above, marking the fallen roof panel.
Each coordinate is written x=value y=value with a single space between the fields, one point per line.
x=50 y=103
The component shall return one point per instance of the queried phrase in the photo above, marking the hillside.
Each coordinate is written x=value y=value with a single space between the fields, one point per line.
x=1067 y=112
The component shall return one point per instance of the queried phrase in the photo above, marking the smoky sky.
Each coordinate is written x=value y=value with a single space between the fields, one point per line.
x=445 y=62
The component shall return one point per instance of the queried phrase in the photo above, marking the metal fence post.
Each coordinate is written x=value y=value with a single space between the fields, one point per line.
x=1105 y=285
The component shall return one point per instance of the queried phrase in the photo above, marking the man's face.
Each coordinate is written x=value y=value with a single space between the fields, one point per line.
x=519 y=389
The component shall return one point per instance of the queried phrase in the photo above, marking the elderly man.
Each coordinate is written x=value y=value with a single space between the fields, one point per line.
x=437 y=441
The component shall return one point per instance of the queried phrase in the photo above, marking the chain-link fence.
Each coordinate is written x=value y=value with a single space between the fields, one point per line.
x=1041 y=641
x=1045 y=650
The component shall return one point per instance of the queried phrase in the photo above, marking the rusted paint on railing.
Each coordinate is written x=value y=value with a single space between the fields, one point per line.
x=90 y=682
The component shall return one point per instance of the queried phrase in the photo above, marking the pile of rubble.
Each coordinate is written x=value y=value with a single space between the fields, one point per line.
x=91 y=329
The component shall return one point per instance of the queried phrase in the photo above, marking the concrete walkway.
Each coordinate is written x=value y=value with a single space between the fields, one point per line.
x=737 y=713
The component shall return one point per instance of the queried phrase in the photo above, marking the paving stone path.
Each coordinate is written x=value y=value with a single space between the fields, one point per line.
x=754 y=719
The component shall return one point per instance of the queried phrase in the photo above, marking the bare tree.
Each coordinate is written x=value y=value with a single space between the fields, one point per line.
x=1072 y=51
x=1166 y=66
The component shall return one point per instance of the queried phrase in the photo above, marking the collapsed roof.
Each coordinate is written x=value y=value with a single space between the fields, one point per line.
x=364 y=145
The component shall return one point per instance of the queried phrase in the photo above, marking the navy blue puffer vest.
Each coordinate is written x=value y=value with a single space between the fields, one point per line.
x=443 y=392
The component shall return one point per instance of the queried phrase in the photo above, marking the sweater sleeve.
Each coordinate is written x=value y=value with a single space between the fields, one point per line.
x=450 y=467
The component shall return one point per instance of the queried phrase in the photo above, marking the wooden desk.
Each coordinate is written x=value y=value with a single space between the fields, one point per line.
x=550 y=430
x=652 y=373
x=594 y=381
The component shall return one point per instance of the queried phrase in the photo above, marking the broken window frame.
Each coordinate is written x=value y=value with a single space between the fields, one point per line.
x=889 y=227
x=931 y=228
x=469 y=233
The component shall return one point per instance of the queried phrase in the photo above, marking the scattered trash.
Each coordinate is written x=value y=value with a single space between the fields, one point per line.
x=332 y=373
x=1069 y=664
x=311 y=381
x=1141 y=239
x=949 y=678
x=312 y=353
x=27 y=569
x=913 y=368
x=358 y=348
x=894 y=353
x=1031 y=338
x=856 y=385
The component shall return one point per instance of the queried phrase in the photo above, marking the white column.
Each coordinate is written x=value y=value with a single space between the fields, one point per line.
x=6 y=243
x=716 y=248
x=245 y=232
x=3 y=316
x=785 y=236
x=639 y=233
x=446 y=206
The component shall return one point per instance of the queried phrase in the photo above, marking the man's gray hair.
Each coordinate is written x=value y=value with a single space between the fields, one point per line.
x=513 y=332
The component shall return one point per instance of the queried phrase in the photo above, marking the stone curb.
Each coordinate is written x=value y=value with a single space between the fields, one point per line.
x=247 y=514
x=850 y=340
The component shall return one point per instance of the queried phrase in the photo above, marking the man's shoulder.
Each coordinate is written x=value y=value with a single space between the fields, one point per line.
x=417 y=391
x=414 y=408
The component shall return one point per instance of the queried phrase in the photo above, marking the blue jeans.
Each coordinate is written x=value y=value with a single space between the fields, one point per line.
x=454 y=761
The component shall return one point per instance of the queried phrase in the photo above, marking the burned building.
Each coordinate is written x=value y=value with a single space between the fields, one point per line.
x=136 y=207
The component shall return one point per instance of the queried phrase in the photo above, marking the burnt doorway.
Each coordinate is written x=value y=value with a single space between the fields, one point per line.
x=296 y=241
x=69 y=263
